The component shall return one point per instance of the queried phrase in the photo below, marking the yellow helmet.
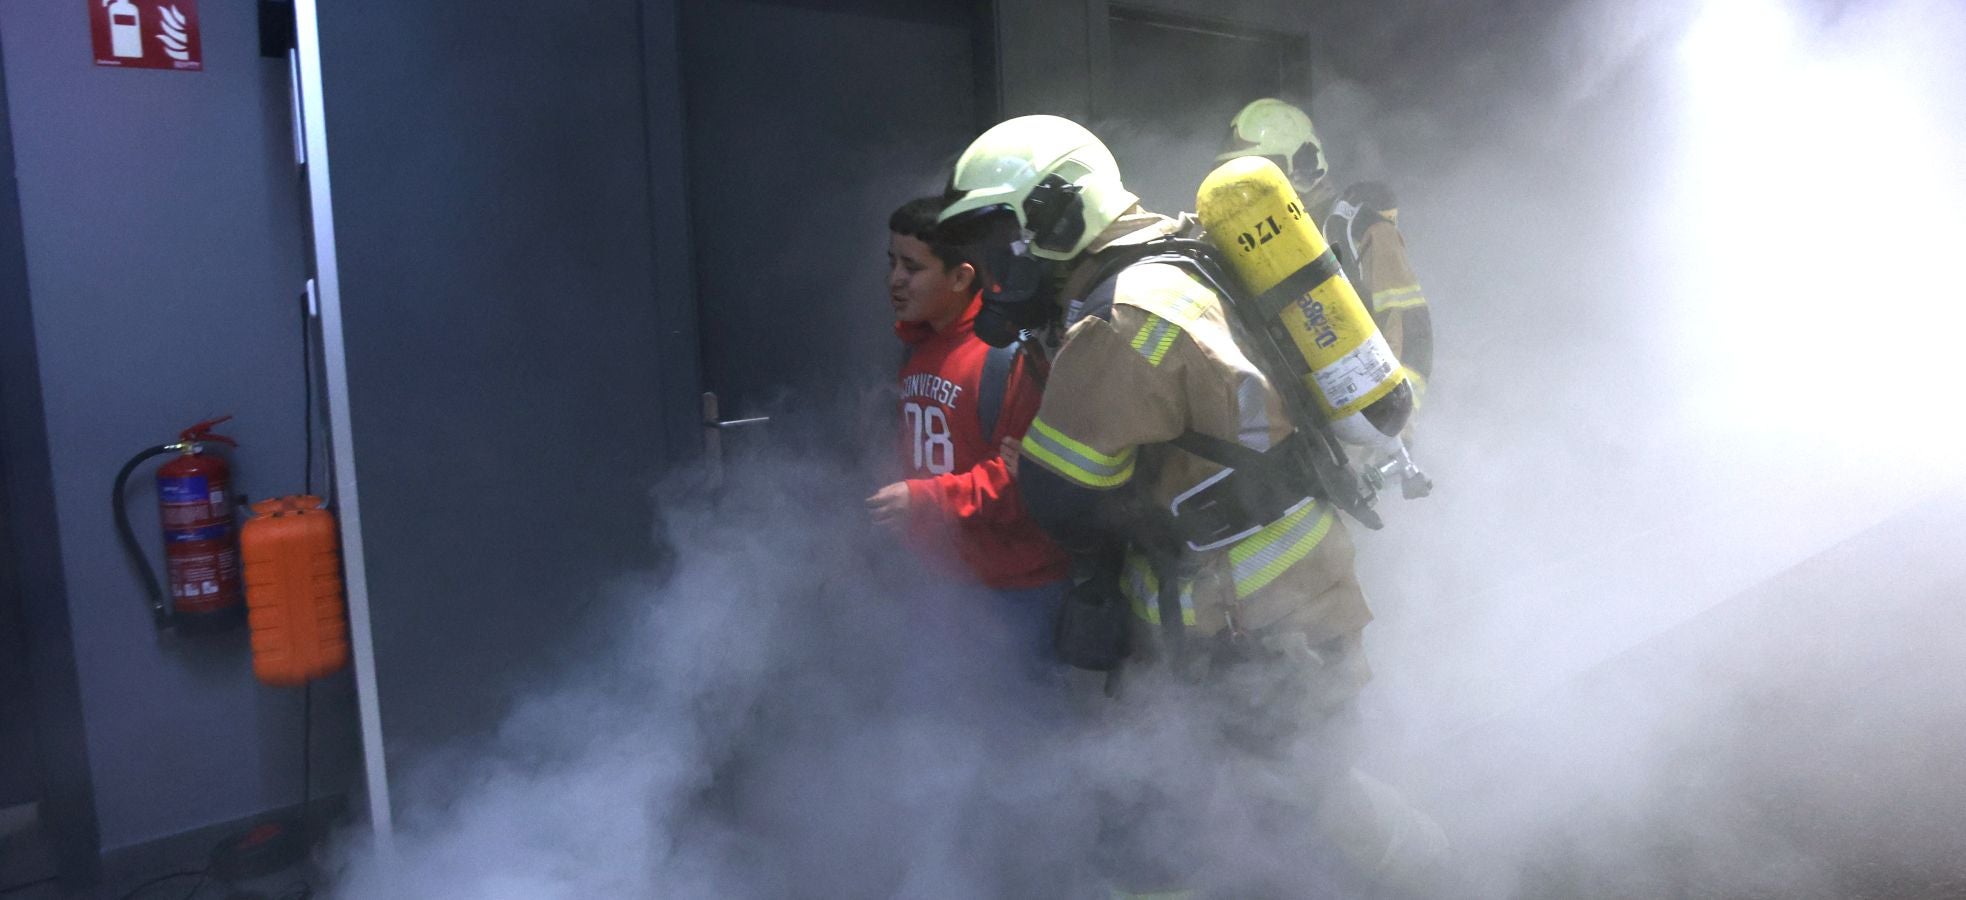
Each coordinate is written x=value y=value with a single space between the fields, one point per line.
x=1060 y=182
x=1270 y=127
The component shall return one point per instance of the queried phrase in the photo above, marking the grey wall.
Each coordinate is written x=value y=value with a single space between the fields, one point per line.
x=163 y=254
x=509 y=238
x=49 y=705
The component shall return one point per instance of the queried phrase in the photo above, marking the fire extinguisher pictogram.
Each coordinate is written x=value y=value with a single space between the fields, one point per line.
x=201 y=551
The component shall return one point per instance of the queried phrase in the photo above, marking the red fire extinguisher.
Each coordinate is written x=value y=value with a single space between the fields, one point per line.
x=201 y=550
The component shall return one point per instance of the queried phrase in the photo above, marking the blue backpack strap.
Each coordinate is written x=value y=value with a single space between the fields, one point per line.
x=992 y=386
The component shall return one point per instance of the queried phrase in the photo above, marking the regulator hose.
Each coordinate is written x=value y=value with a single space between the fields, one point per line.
x=119 y=507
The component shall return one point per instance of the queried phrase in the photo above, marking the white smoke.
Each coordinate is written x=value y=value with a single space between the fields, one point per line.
x=793 y=706
x=1694 y=313
x=801 y=708
x=1694 y=330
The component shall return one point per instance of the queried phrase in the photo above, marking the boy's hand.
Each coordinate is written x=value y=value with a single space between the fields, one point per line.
x=1009 y=450
x=889 y=505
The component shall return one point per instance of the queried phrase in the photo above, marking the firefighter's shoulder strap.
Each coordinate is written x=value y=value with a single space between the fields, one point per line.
x=1222 y=452
x=1096 y=292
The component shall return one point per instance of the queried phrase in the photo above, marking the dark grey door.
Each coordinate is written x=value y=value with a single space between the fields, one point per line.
x=808 y=123
x=17 y=766
x=1172 y=83
x=502 y=303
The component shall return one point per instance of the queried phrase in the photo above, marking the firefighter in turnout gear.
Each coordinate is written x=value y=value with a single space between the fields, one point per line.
x=1360 y=222
x=1147 y=382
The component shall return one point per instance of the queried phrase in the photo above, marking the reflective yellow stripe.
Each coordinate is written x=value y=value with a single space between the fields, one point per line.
x=1075 y=460
x=1408 y=297
x=1260 y=558
x=1154 y=337
x=1142 y=589
x=1148 y=609
x=1255 y=562
x=1160 y=349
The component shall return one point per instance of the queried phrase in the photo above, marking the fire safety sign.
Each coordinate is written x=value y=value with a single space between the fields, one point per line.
x=146 y=34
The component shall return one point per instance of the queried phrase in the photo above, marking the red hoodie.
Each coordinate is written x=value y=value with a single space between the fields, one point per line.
x=956 y=475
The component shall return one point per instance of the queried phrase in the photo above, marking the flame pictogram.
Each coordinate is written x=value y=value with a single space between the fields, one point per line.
x=174 y=36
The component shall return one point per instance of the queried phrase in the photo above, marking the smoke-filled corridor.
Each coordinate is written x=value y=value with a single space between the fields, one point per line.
x=593 y=303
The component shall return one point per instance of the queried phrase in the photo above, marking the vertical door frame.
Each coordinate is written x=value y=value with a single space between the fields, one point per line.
x=326 y=287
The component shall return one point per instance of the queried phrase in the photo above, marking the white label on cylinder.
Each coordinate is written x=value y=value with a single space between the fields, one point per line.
x=1355 y=374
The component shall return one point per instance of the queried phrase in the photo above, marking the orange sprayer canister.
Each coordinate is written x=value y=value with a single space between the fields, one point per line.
x=293 y=591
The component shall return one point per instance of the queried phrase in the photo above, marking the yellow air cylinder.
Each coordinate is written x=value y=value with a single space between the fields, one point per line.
x=1255 y=220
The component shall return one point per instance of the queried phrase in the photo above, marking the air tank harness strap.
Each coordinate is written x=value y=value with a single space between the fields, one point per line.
x=1173 y=624
x=1169 y=576
x=1271 y=303
x=1096 y=288
x=1261 y=486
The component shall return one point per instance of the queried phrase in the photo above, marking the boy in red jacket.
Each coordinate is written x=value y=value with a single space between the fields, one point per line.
x=963 y=413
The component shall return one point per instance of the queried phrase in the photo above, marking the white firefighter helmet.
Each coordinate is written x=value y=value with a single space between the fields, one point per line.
x=1270 y=127
x=1060 y=182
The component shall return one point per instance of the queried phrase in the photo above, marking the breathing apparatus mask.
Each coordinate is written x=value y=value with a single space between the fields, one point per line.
x=1306 y=167
x=1018 y=287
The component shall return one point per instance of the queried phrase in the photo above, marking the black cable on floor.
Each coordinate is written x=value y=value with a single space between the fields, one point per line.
x=306 y=750
x=307 y=432
x=307 y=393
x=187 y=873
x=196 y=887
x=307 y=482
x=14 y=888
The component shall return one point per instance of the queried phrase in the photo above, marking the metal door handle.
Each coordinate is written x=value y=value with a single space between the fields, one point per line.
x=713 y=436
